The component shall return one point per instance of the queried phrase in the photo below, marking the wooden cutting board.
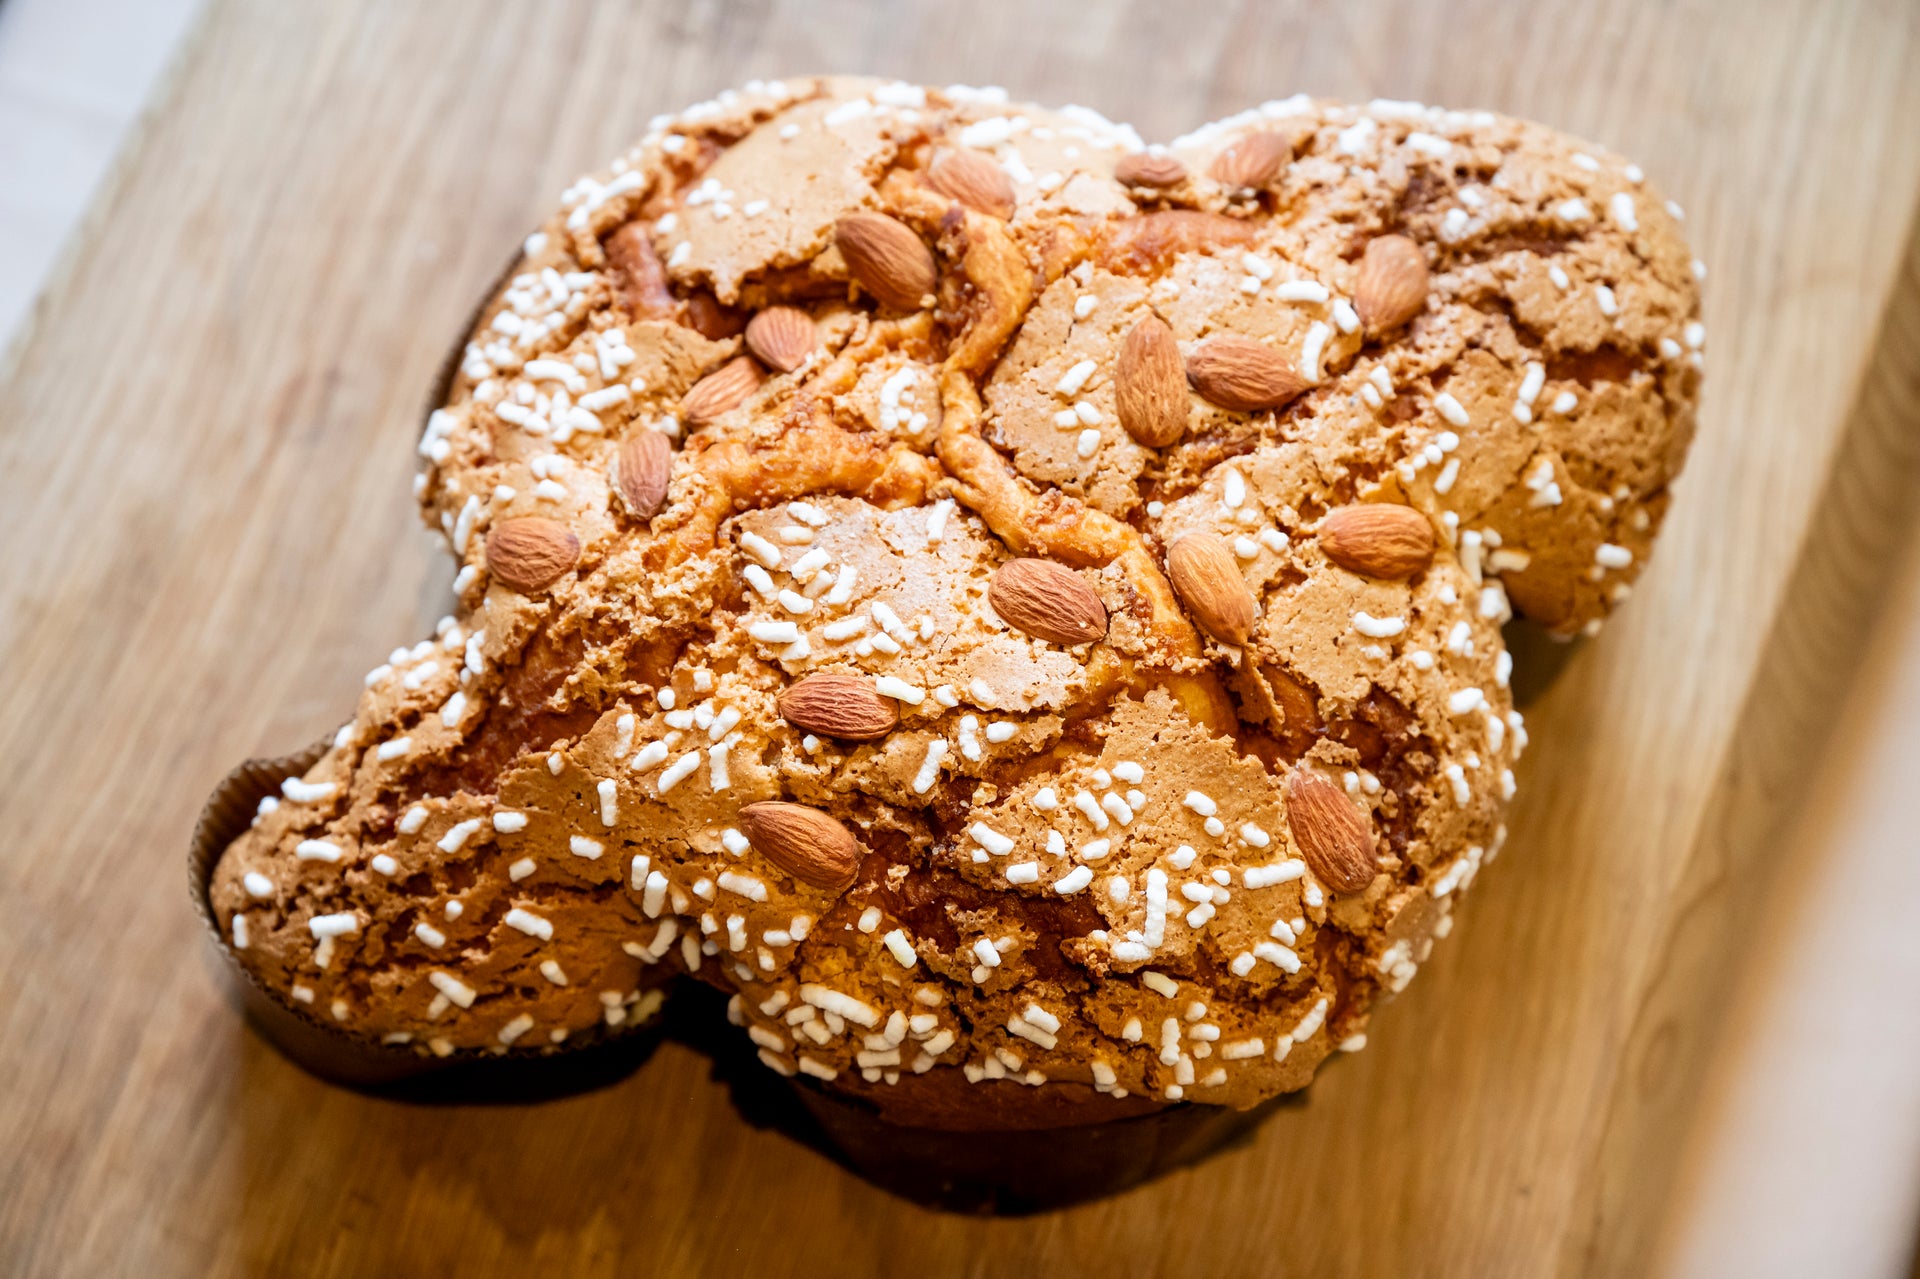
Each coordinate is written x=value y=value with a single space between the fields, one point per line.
x=205 y=443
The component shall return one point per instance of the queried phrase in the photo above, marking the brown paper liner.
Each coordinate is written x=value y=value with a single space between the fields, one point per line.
x=1002 y=1171
x=1025 y=1171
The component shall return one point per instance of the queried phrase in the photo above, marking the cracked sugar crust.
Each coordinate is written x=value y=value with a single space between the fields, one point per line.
x=1082 y=889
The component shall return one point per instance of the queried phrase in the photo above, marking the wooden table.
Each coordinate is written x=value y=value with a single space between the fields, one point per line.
x=204 y=447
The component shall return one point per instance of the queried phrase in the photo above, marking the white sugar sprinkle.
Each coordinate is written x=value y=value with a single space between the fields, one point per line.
x=453 y=988
x=991 y=840
x=317 y=850
x=529 y=923
x=301 y=792
x=1311 y=349
x=1621 y=207
x=930 y=766
x=774 y=632
x=678 y=771
x=760 y=549
x=1075 y=378
x=1378 y=627
x=902 y=949
x=1276 y=873
x=898 y=689
x=743 y=885
x=1277 y=955
x=337 y=925
x=937 y=519
x=1090 y=809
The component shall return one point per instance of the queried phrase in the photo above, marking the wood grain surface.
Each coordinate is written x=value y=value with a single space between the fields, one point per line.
x=205 y=442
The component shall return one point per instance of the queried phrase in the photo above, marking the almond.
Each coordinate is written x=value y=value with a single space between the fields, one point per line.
x=1332 y=832
x=806 y=843
x=530 y=554
x=1047 y=599
x=974 y=180
x=1241 y=374
x=1298 y=705
x=1149 y=169
x=1207 y=579
x=1253 y=161
x=727 y=387
x=710 y=319
x=1392 y=285
x=1146 y=243
x=844 y=707
x=641 y=470
x=1150 y=386
x=782 y=337
x=639 y=281
x=886 y=258
x=1377 y=539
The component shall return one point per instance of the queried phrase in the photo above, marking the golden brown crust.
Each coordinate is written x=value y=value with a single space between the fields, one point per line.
x=1055 y=860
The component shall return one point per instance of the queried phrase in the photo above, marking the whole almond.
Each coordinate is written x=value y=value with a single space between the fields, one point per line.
x=782 y=337
x=1377 y=539
x=1207 y=579
x=641 y=470
x=1150 y=385
x=806 y=843
x=725 y=388
x=1242 y=374
x=1047 y=599
x=844 y=707
x=1392 y=285
x=1149 y=169
x=886 y=258
x=974 y=180
x=531 y=553
x=1253 y=161
x=1332 y=832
